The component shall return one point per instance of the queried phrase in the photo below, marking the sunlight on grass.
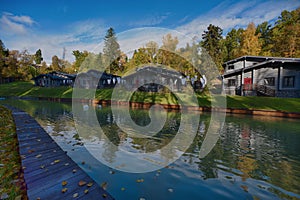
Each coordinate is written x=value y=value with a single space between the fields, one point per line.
x=27 y=89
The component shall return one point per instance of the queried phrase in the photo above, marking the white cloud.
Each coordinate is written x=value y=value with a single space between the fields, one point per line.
x=19 y=32
x=82 y=35
x=228 y=16
x=15 y=25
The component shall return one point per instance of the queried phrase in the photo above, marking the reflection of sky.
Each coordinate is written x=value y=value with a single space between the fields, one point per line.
x=272 y=144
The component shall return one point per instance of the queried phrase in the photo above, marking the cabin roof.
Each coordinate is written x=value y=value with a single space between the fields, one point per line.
x=271 y=63
x=260 y=59
x=56 y=76
x=158 y=70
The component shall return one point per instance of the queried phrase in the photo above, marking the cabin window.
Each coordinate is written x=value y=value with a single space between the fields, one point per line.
x=270 y=81
x=288 y=81
x=231 y=82
x=230 y=67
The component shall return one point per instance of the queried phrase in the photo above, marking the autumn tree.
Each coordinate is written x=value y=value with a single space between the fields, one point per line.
x=250 y=44
x=152 y=50
x=11 y=66
x=3 y=56
x=79 y=58
x=111 y=51
x=166 y=53
x=26 y=70
x=57 y=64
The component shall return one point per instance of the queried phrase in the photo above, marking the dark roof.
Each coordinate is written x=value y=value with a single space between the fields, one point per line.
x=272 y=63
x=259 y=59
x=97 y=74
x=57 y=76
x=158 y=70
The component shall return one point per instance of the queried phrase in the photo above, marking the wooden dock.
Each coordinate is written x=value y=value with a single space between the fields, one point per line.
x=49 y=172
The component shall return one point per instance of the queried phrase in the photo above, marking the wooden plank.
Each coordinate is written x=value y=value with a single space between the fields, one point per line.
x=46 y=165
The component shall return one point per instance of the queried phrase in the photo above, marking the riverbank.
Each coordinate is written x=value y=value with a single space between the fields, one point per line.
x=269 y=106
x=11 y=181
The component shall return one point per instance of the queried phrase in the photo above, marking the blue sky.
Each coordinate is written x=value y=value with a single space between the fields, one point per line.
x=52 y=25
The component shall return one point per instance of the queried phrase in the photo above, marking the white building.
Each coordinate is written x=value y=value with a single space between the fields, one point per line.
x=262 y=76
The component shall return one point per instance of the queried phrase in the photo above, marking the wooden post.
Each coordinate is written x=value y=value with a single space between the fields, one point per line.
x=242 y=82
x=279 y=79
x=253 y=78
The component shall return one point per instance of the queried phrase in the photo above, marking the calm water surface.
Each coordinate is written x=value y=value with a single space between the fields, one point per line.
x=255 y=157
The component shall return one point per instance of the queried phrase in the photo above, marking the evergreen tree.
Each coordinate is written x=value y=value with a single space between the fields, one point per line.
x=111 y=51
x=233 y=43
x=264 y=32
x=212 y=43
x=286 y=34
x=38 y=56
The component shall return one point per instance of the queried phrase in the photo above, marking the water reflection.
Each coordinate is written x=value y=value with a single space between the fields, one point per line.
x=255 y=158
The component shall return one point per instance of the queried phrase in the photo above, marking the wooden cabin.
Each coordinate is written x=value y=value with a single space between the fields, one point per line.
x=54 y=79
x=262 y=76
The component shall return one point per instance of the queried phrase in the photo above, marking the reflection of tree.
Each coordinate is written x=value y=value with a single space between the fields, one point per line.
x=246 y=165
x=110 y=150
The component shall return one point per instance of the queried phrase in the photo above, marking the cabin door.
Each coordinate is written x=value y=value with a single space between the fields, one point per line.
x=247 y=84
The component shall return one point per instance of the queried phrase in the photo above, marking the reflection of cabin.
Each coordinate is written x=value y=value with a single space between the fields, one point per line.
x=54 y=79
x=96 y=79
x=265 y=76
x=154 y=79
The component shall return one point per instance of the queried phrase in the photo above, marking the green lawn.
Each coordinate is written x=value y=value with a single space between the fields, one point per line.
x=26 y=89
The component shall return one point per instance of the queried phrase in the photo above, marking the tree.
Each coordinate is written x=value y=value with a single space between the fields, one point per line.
x=250 y=44
x=233 y=43
x=111 y=50
x=264 y=32
x=169 y=43
x=212 y=43
x=10 y=69
x=79 y=58
x=152 y=49
x=25 y=66
x=166 y=54
x=3 y=56
x=57 y=64
x=286 y=34
x=38 y=57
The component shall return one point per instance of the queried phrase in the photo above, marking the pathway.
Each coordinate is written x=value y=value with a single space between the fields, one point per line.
x=49 y=172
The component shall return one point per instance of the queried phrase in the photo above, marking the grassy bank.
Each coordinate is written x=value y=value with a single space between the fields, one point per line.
x=12 y=185
x=26 y=89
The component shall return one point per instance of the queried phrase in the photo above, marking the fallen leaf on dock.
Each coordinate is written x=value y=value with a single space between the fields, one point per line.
x=81 y=183
x=64 y=183
x=89 y=184
x=64 y=190
x=75 y=195
x=104 y=185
